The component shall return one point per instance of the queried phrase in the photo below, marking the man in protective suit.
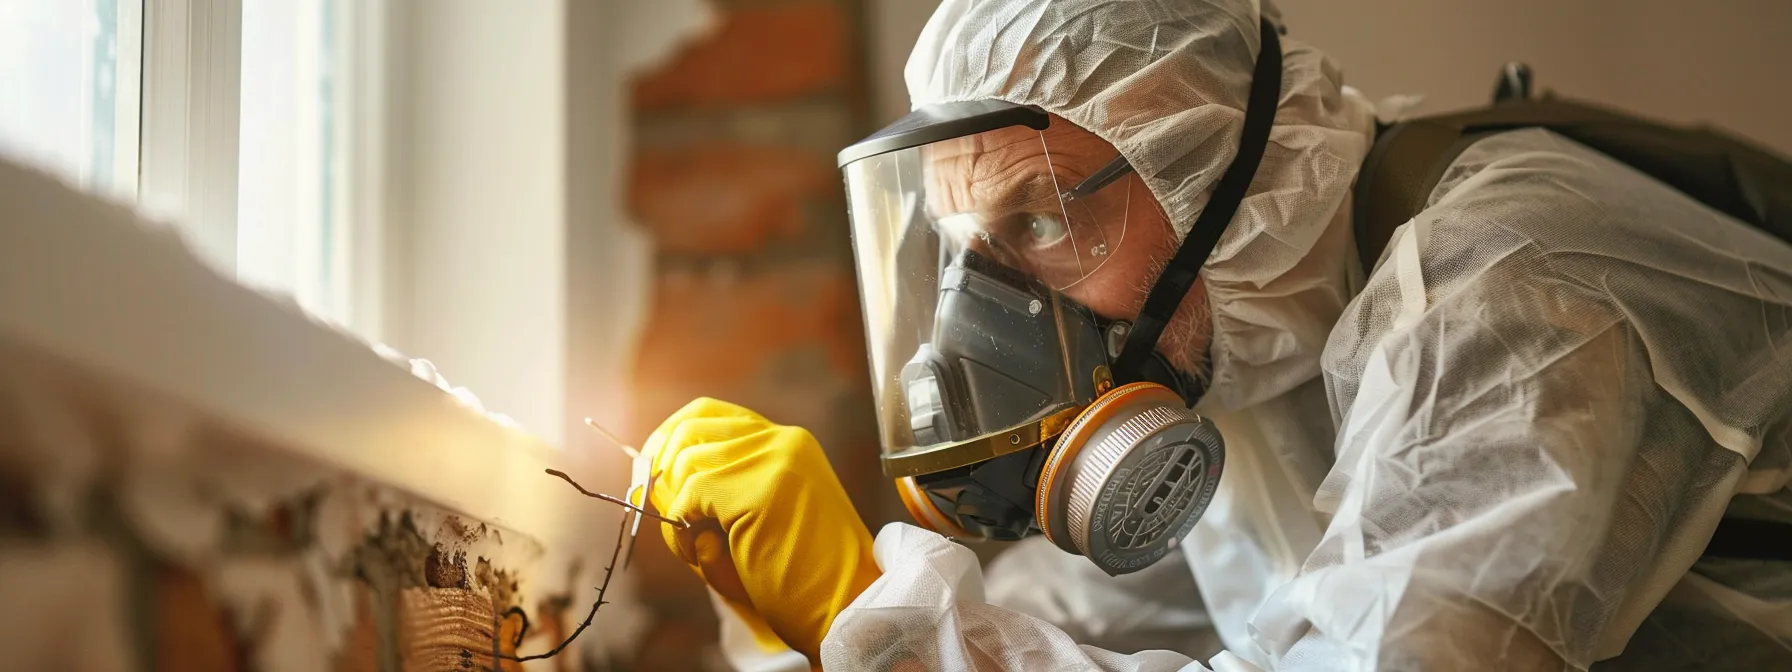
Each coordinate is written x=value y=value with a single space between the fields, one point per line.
x=1504 y=446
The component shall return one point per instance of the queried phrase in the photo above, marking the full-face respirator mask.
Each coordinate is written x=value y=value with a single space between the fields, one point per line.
x=1005 y=407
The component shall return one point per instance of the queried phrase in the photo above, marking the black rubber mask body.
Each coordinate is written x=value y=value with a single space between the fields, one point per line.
x=995 y=360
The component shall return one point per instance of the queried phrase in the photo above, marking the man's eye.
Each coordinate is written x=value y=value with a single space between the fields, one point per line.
x=1046 y=229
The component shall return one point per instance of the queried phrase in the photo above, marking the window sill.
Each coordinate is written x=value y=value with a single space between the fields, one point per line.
x=85 y=285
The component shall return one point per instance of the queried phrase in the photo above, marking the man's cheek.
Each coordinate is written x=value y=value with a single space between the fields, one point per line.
x=1109 y=294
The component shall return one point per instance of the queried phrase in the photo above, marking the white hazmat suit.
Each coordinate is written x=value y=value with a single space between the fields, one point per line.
x=1503 y=449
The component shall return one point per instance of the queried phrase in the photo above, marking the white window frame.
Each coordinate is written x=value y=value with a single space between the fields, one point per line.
x=366 y=291
x=187 y=171
x=128 y=101
x=187 y=145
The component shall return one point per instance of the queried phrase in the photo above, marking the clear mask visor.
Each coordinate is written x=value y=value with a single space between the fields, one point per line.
x=963 y=247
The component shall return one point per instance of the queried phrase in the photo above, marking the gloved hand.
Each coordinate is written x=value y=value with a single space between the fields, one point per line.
x=771 y=529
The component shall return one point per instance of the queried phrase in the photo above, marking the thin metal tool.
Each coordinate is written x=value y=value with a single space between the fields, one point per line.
x=641 y=479
x=632 y=453
x=635 y=530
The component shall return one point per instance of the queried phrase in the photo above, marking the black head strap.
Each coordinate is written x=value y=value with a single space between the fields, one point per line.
x=1179 y=275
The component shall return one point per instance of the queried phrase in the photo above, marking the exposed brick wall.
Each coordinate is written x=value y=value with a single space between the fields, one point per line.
x=754 y=300
x=728 y=199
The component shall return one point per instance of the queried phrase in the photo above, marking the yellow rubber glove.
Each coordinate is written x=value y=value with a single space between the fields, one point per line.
x=771 y=529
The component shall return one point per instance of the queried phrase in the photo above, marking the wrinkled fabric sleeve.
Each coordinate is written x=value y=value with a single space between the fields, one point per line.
x=927 y=612
x=1512 y=491
x=1157 y=607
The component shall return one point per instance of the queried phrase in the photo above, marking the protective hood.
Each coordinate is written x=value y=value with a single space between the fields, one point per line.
x=1166 y=84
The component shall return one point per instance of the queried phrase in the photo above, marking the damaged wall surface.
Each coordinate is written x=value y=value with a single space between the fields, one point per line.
x=175 y=544
x=197 y=476
x=138 y=534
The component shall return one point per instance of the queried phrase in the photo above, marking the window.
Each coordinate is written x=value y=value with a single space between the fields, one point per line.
x=68 y=89
x=225 y=117
x=288 y=236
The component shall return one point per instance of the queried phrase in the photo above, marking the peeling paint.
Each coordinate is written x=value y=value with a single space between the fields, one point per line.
x=274 y=615
x=500 y=584
x=653 y=30
x=392 y=555
x=445 y=570
x=286 y=528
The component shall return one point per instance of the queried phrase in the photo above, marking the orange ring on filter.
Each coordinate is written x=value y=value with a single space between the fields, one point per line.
x=1071 y=443
x=924 y=511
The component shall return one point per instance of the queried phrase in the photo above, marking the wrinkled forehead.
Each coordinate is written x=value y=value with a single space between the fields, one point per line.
x=990 y=170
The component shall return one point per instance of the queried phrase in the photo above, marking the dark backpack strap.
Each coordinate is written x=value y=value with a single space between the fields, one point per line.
x=1406 y=163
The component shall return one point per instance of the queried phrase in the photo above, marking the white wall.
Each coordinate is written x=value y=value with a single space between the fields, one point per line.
x=893 y=27
x=484 y=182
x=508 y=259
x=1725 y=61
